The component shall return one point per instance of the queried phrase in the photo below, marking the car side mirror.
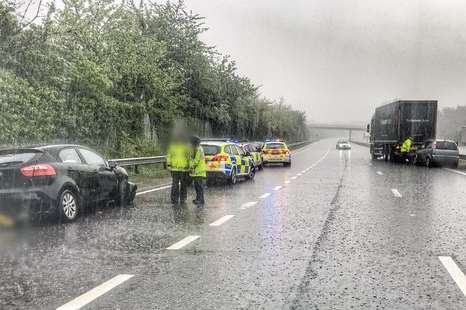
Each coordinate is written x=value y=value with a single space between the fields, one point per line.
x=112 y=164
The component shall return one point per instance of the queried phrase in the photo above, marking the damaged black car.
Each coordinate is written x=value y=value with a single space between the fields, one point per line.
x=60 y=179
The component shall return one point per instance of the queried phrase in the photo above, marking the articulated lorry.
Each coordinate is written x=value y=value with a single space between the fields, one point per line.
x=394 y=122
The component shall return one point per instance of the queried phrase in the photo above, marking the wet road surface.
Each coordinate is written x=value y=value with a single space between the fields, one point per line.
x=334 y=231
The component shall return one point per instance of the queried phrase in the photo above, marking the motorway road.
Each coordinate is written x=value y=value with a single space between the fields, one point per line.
x=337 y=231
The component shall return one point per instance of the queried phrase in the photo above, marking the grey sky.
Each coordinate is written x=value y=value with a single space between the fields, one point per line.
x=338 y=59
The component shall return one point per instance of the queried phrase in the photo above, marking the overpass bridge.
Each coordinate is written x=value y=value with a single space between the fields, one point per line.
x=350 y=128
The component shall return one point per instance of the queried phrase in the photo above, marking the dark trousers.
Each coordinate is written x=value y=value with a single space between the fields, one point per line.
x=406 y=158
x=199 y=187
x=179 y=183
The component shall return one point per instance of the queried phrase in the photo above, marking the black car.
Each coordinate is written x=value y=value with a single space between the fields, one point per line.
x=60 y=179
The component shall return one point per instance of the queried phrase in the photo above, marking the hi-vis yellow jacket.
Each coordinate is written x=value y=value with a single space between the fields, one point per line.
x=406 y=147
x=178 y=156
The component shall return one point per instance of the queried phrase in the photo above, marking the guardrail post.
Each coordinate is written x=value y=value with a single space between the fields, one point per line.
x=136 y=169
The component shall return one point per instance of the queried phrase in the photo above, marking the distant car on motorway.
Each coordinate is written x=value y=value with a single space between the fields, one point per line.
x=227 y=161
x=276 y=152
x=343 y=144
x=438 y=152
x=60 y=179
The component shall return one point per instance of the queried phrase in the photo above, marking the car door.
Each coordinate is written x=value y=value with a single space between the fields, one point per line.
x=101 y=175
x=243 y=167
x=73 y=167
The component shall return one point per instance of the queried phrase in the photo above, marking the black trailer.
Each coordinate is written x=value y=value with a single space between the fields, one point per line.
x=394 y=122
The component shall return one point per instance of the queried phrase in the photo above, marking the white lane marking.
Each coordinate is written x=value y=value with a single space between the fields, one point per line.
x=182 y=243
x=153 y=190
x=221 y=220
x=263 y=196
x=298 y=174
x=246 y=205
x=304 y=171
x=294 y=178
x=287 y=182
x=454 y=171
x=277 y=188
x=379 y=172
x=96 y=292
x=412 y=214
x=396 y=193
x=455 y=272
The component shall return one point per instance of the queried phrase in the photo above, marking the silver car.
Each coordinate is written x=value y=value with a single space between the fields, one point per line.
x=438 y=152
x=343 y=144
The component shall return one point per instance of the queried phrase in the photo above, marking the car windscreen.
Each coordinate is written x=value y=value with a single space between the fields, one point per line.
x=446 y=145
x=275 y=146
x=17 y=156
x=210 y=150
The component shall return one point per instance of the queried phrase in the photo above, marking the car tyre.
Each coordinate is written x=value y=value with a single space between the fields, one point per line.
x=252 y=173
x=233 y=178
x=68 y=205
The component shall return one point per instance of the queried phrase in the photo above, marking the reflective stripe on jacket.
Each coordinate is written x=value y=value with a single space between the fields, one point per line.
x=178 y=155
x=197 y=164
x=406 y=147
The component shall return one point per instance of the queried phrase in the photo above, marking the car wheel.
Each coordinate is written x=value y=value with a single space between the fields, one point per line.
x=428 y=162
x=252 y=173
x=68 y=205
x=233 y=177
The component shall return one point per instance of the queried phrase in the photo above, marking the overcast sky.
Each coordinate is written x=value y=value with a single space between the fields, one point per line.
x=338 y=59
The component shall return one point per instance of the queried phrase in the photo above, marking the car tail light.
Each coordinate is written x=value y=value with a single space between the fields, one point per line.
x=38 y=170
x=220 y=157
x=286 y=152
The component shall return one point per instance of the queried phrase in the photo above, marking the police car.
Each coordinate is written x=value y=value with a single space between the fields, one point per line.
x=254 y=149
x=276 y=152
x=226 y=160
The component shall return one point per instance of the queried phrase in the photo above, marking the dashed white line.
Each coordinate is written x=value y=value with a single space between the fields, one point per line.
x=277 y=188
x=263 y=196
x=221 y=220
x=454 y=171
x=287 y=182
x=396 y=193
x=294 y=178
x=379 y=172
x=304 y=171
x=154 y=190
x=248 y=205
x=96 y=292
x=298 y=174
x=455 y=272
x=182 y=243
